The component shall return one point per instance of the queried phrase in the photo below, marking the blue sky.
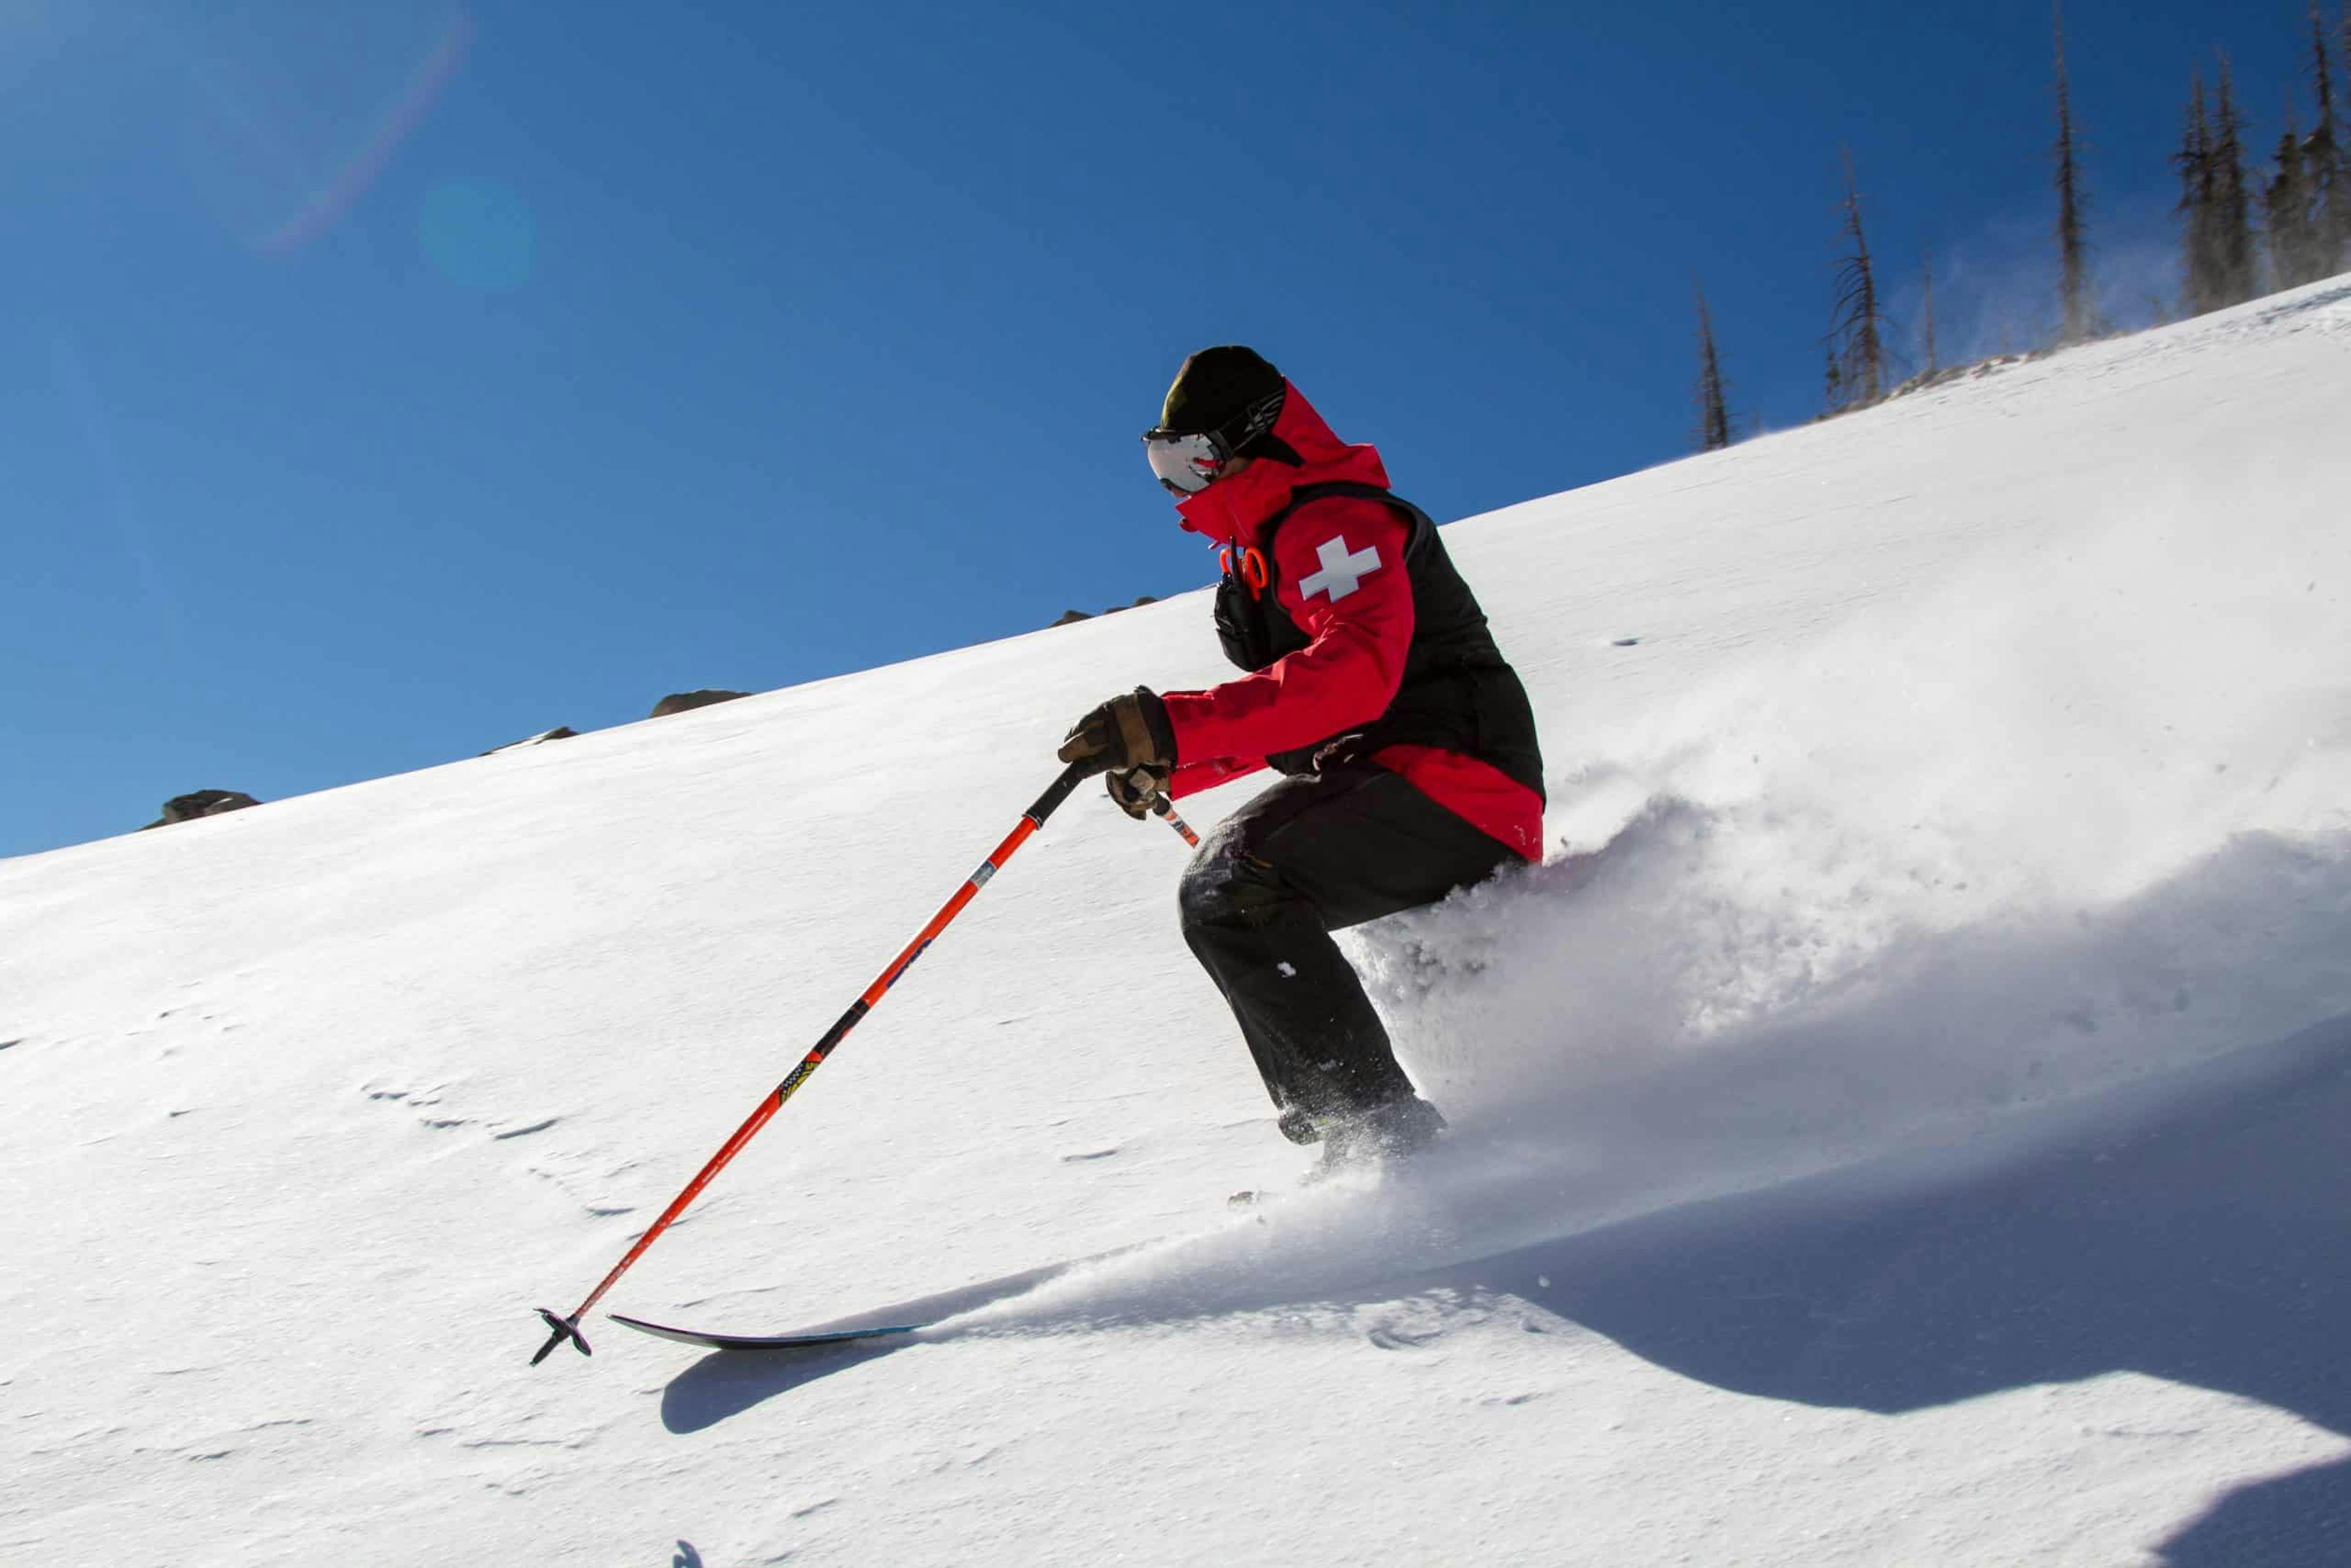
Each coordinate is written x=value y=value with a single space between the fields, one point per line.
x=381 y=382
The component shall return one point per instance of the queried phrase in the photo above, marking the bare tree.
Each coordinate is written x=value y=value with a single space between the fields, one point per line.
x=2324 y=161
x=1857 y=327
x=2073 y=250
x=2288 y=211
x=1933 y=363
x=2215 y=203
x=2231 y=198
x=1713 y=414
x=2200 y=288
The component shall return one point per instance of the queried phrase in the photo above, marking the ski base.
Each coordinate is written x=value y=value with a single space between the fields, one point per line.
x=763 y=1342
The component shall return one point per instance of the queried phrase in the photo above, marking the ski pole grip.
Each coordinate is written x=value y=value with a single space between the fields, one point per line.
x=1075 y=774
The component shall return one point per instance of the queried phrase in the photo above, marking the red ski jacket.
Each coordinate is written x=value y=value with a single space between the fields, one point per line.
x=1342 y=580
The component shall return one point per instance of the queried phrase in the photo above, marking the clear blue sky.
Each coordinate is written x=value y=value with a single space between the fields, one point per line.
x=381 y=382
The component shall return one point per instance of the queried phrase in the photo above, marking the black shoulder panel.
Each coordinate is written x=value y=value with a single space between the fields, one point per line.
x=1423 y=528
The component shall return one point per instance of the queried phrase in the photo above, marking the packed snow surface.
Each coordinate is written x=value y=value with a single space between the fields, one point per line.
x=1902 y=1121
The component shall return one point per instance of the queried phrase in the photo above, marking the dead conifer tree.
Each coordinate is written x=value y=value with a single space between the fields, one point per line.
x=2076 y=312
x=1713 y=411
x=2288 y=214
x=2200 y=287
x=1857 y=327
x=2326 y=164
x=2232 y=215
x=1933 y=363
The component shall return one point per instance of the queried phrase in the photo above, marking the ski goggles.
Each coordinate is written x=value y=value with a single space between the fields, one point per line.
x=1189 y=462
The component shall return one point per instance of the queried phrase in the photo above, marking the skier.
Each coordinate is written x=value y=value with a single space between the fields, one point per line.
x=1408 y=744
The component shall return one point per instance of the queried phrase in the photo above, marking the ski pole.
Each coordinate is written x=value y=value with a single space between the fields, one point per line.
x=1031 y=820
x=1167 y=813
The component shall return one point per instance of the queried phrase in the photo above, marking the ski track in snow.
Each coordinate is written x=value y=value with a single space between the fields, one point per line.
x=1901 y=1120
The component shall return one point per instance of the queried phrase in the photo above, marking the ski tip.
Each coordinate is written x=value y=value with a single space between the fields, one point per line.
x=564 y=1328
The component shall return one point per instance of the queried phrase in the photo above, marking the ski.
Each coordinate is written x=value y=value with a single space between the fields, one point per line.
x=709 y=1341
x=918 y=1314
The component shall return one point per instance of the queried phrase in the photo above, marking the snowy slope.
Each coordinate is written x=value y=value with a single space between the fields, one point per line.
x=1903 y=1122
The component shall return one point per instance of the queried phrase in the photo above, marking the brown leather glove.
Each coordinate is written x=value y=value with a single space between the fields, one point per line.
x=1136 y=789
x=1123 y=734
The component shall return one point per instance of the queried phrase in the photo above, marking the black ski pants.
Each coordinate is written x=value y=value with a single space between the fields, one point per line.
x=1309 y=856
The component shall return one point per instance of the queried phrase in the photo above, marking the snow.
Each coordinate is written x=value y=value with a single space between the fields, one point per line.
x=1902 y=1121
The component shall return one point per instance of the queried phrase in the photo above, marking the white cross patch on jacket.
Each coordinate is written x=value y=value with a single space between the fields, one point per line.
x=1341 y=572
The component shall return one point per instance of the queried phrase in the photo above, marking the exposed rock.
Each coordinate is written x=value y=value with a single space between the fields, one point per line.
x=201 y=803
x=560 y=732
x=1071 y=616
x=683 y=702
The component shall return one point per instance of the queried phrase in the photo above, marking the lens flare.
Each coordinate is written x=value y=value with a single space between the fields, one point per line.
x=330 y=201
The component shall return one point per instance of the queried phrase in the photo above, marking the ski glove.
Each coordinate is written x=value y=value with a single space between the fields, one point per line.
x=1136 y=789
x=1123 y=734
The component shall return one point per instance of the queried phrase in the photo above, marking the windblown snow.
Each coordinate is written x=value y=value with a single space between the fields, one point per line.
x=1902 y=1120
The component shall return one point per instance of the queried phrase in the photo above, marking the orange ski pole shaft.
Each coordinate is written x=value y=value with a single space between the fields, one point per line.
x=1167 y=814
x=1031 y=820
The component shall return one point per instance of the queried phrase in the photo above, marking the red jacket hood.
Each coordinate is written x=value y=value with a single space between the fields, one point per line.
x=1234 y=508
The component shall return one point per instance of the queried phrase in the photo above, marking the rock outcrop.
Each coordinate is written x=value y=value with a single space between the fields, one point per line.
x=560 y=732
x=201 y=803
x=683 y=702
x=1069 y=617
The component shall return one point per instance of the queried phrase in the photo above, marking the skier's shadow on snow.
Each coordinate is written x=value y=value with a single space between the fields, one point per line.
x=2205 y=1240
x=2202 y=1236
x=2195 y=1229
x=727 y=1383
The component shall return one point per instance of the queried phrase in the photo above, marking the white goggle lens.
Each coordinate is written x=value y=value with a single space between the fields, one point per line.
x=1184 y=464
